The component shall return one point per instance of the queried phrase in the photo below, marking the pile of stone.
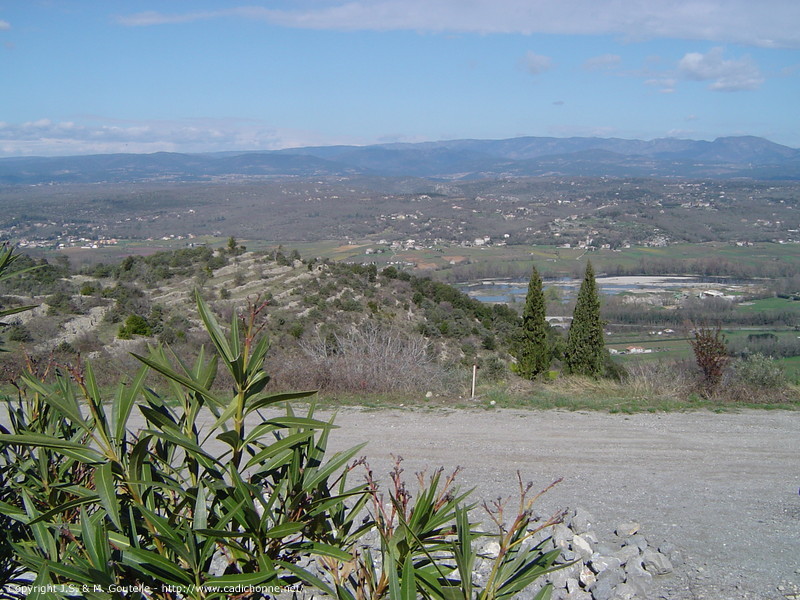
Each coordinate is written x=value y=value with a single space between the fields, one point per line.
x=618 y=566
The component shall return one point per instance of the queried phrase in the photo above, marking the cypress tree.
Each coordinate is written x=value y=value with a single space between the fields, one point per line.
x=585 y=353
x=532 y=350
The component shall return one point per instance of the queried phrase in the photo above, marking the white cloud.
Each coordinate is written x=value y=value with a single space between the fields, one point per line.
x=536 y=63
x=4 y=25
x=725 y=75
x=768 y=23
x=54 y=138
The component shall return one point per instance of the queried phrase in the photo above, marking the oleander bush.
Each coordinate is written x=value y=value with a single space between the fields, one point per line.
x=181 y=491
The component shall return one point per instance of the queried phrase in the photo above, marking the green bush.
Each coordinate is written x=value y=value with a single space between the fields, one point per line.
x=134 y=325
x=86 y=501
x=60 y=302
x=19 y=333
x=89 y=289
x=759 y=371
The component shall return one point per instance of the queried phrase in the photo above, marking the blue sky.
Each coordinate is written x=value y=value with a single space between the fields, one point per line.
x=83 y=77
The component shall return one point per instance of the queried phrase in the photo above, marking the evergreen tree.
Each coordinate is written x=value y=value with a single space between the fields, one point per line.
x=585 y=353
x=531 y=349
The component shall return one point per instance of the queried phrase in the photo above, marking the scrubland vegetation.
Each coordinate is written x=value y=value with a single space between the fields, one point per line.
x=375 y=336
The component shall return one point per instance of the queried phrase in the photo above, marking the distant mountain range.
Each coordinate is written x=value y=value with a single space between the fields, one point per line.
x=724 y=158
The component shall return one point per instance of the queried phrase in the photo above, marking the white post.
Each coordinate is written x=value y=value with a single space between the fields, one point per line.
x=474 y=377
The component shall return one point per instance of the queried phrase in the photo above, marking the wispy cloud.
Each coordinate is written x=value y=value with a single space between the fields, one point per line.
x=768 y=23
x=725 y=75
x=48 y=137
x=602 y=62
x=4 y=25
x=536 y=64
x=665 y=85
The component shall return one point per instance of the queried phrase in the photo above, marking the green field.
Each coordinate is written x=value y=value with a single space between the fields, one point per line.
x=769 y=304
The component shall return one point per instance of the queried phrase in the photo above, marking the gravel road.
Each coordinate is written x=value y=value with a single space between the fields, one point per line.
x=723 y=488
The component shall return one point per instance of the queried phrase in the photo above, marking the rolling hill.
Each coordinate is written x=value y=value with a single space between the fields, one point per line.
x=723 y=158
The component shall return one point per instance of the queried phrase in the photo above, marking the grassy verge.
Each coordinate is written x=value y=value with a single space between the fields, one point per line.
x=562 y=394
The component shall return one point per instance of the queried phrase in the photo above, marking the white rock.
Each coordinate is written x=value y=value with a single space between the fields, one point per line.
x=491 y=550
x=586 y=577
x=627 y=528
x=581 y=546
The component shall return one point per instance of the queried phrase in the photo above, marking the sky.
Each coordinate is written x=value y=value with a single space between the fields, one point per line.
x=102 y=76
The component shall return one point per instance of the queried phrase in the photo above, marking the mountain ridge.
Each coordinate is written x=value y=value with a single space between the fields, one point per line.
x=723 y=158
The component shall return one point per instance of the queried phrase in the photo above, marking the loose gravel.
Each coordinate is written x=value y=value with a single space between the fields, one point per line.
x=721 y=489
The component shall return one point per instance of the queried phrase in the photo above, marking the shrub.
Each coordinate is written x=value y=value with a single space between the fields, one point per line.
x=89 y=289
x=134 y=325
x=86 y=501
x=367 y=358
x=661 y=379
x=60 y=302
x=759 y=371
x=711 y=355
x=19 y=333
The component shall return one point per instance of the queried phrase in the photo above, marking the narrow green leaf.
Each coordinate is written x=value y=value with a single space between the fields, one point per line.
x=39 y=590
x=312 y=478
x=200 y=520
x=156 y=565
x=118 y=540
x=277 y=398
x=69 y=407
x=545 y=593
x=88 y=531
x=67 y=572
x=186 y=443
x=300 y=422
x=307 y=577
x=453 y=592
x=38 y=440
x=214 y=330
x=321 y=549
x=47 y=516
x=160 y=417
x=170 y=373
x=232 y=438
x=408 y=590
x=279 y=446
x=279 y=460
x=107 y=491
x=242 y=579
x=96 y=399
x=41 y=534
x=284 y=529
x=17 y=309
x=342 y=593
x=139 y=455
x=394 y=578
x=123 y=404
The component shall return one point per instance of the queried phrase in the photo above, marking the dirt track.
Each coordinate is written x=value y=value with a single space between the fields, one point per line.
x=723 y=488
